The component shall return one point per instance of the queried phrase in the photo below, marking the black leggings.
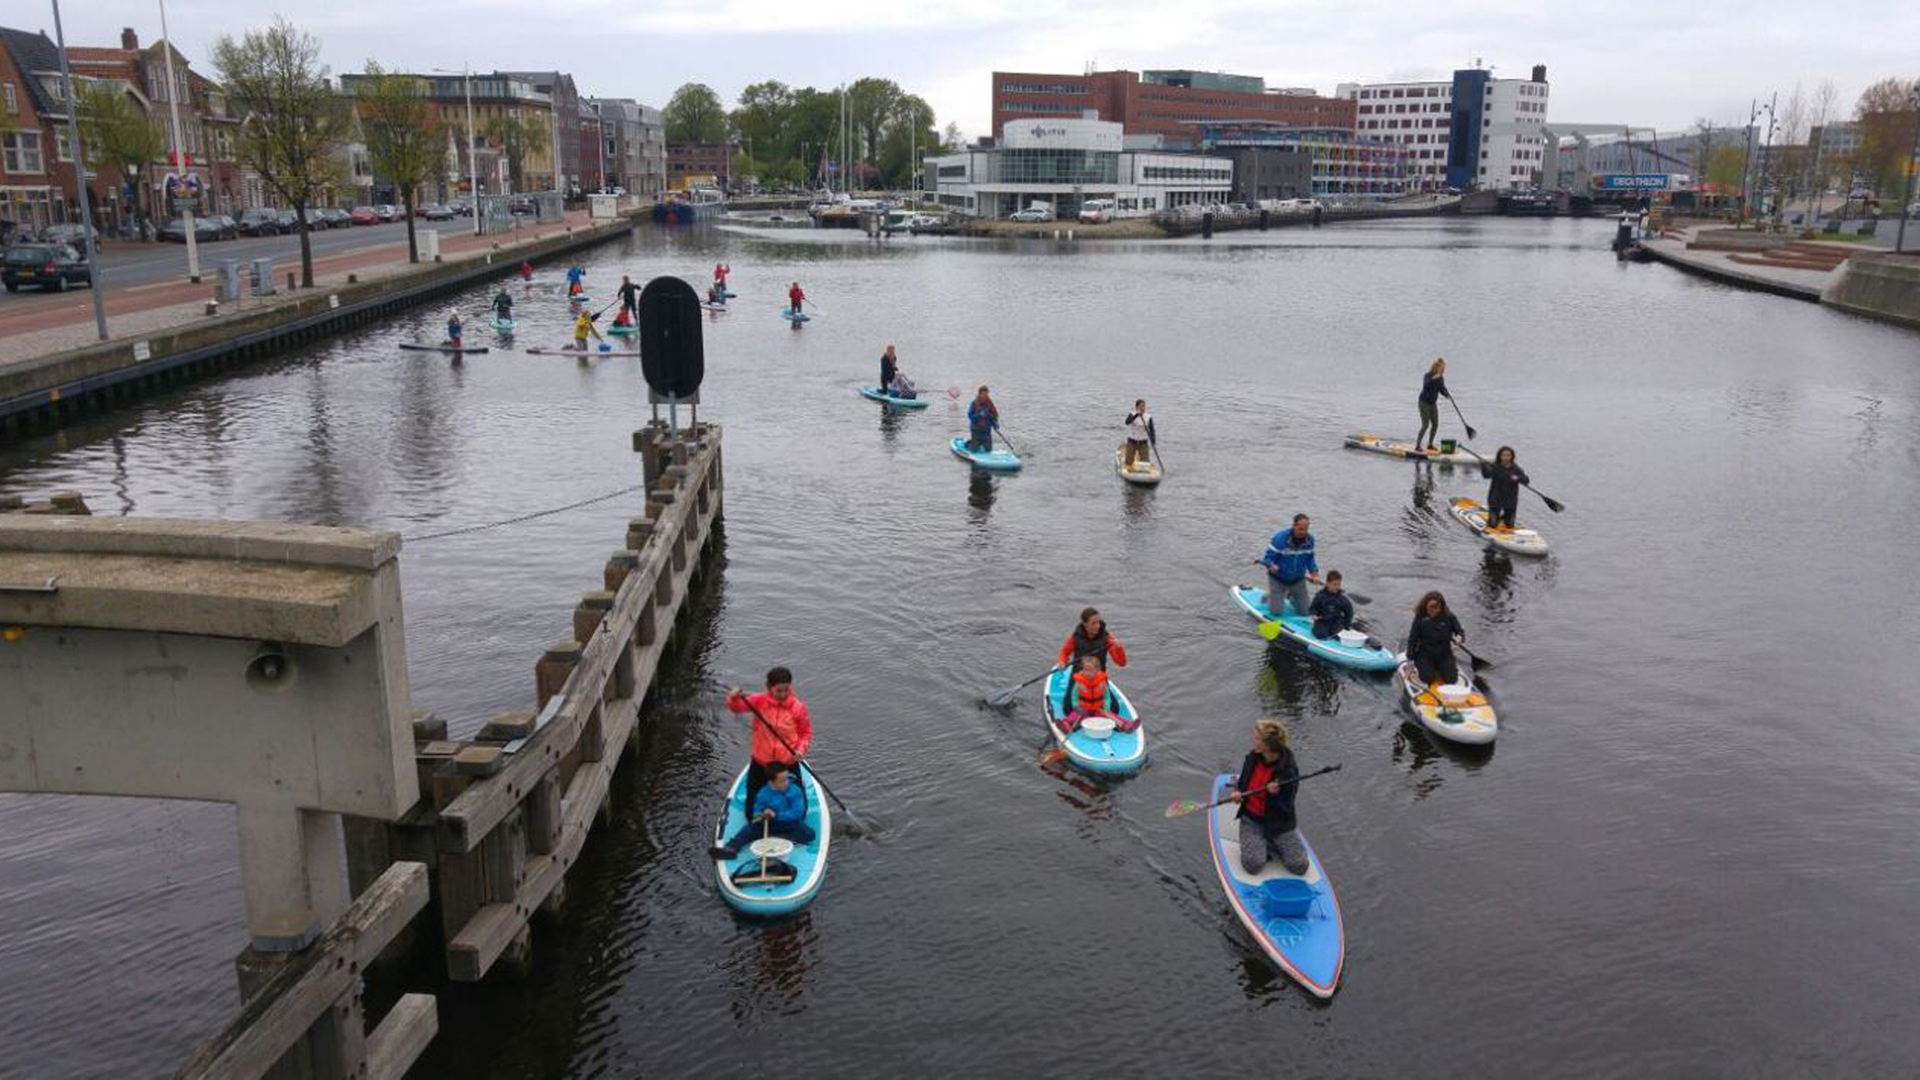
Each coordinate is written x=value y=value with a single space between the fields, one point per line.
x=1500 y=515
x=1440 y=664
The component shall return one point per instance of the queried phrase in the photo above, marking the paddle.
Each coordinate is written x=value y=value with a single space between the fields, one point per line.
x=1359 y=598
x=1156 y=456
x=763 y=877
x=1183 y=807
x=1004 y=698
x=1471 y=434
x=854 y=823
x=1476 y=661
x=1553 y=504
x=1003 y=435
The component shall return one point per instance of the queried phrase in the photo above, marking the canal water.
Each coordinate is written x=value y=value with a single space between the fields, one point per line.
x=1691 y=853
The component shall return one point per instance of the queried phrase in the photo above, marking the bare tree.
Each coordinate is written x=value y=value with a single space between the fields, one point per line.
x=1819 y=169
x=293 y=125
x=1703 y=143
x=1789 y=149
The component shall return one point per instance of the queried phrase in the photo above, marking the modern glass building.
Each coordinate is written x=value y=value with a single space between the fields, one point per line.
x=1343 y=164
x=1063 y=163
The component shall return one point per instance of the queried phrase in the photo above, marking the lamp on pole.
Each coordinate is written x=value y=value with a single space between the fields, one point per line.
x=179 y=150
x=473 y=163
x=87 y=236
x=1913 y=166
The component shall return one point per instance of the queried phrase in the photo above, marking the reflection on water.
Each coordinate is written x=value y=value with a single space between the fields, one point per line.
x=1006 y=881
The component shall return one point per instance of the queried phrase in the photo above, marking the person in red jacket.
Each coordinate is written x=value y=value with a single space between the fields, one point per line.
x=795 y=298
x=1092 y=638
x=785 y=714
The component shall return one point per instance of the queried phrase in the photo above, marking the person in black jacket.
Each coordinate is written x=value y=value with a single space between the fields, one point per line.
x=1265 y=795
x=1331 y=610
x=1503 y=494
x=1430 y=640
x=1432 y=388
x=889 y=366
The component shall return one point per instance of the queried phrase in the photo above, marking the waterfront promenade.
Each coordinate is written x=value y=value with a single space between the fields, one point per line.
x=1859 y=278
x=65 y=321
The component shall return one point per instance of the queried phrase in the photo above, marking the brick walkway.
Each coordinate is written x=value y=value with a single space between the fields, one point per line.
x=139 y=311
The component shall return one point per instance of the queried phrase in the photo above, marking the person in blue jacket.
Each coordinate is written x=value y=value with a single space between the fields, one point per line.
x=779 y=800
x=1290 y=566
x=983 y=417
x=1332 y=611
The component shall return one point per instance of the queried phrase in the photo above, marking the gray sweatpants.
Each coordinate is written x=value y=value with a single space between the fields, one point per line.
x=1256 y=847
x=1296 y=593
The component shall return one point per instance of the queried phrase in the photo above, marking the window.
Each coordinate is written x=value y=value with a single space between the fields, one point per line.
x=61 y=147
x=13 y=103
x=22 y=151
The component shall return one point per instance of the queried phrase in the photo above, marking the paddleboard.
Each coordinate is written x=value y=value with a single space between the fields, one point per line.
x=505 y=326
x=1402 y=449
x=444 y=348
x=874 y=393
x=1294 y=918
x=1298 y=631
x=1145 y=472
x=808 y=861
x=793 y=316
x=717 y=309
x=1462 y=715
x=1473 y=514
x=622 y=331
x=997 y=459
x=1119 y=754
x=582 y=298
x=590 y=353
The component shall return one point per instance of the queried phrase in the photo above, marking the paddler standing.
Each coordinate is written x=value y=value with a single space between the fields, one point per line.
x=1432 y=388
x=795 y=298
x=1290 y=566
x=1141 y=438
x=1503 y=491
x=983 y=416
x=781 y=732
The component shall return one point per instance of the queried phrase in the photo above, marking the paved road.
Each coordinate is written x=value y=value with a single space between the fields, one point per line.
x=125 y=265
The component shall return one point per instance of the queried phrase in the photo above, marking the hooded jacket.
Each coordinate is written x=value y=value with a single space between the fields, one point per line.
x=789 y=719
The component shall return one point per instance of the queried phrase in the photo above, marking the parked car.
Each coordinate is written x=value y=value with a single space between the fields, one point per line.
x=72 y=235
x=461 y=207
x=317 y=219
x=388 y=212
x=520 y=204
x=365 y=215
x=436 y=212
x=205 y=229
x=1032 y=213
x=337 y=218
x=1097 y=211
x=259 y=221
x=288 y=221
x=50 y=266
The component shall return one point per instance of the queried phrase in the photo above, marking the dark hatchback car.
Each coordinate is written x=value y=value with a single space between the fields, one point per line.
x=50 y=266
x=289 y=221
x=337 y=218
x=259 y=221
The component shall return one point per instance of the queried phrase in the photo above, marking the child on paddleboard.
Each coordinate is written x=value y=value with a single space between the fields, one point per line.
x=779 y=801
x=1267 y=823
x=1332 y=611
x=1088 y=694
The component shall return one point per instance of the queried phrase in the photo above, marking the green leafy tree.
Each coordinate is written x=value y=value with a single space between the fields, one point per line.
x=694 y=115
x=1726 y=167
x=119 y=137
x=294 y=125
x=405 y=140
x=518 y=137
x=871 y=103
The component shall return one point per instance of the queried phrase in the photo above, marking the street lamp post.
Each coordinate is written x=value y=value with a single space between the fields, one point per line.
x=1913 y=166
x=179 y=149
x=87 y=235
x=473 y=163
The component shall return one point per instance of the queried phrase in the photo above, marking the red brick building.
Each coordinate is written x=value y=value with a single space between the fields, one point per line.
x=697 y=160
x=1164 y=103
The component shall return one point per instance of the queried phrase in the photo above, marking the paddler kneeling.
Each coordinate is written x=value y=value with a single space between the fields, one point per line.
x=1267 y=824
x=781 y=804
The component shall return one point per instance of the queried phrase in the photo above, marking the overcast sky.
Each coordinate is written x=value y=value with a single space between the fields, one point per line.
x=1645 y=62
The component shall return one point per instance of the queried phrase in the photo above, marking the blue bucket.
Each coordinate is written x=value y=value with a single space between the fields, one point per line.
x=1285 y=898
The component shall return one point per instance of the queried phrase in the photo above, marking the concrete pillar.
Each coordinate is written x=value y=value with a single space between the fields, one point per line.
x=294 y=873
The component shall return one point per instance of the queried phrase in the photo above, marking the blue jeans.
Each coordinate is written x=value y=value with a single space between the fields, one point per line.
x=797 y=831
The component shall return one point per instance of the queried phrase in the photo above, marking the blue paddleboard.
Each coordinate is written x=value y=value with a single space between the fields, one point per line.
x=876 y=394
x=1298 y=630
x=808 y=861
x=1001 y=460
x=1119 y=754
x=1295 y=918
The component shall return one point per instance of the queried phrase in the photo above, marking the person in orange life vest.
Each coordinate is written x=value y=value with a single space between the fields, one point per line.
x=1092 y=637
x=786 y=714
x=624 y=319
x=1267 y=823
x=526 y=271
x=795 y=298
x=1085 y=693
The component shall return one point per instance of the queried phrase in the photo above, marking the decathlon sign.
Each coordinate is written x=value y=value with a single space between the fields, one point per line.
x=1632 y=182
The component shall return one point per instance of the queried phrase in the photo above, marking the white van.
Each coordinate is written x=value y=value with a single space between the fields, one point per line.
x=1097 y=211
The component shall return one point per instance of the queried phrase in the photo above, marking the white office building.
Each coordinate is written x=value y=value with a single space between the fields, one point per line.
x=1472 y=131
x=1064 y=163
